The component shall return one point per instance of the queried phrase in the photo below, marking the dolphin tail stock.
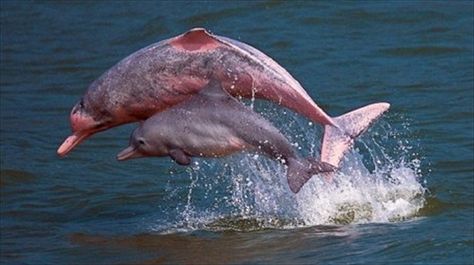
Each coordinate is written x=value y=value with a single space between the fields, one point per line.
x=301 y=170
x=338 y=140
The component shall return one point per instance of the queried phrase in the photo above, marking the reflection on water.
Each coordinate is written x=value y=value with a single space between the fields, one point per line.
x=213 y=248
x=12 y=176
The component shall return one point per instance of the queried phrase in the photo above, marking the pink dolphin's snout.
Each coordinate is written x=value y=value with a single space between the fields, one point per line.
x=70 y=143
x=82 y=126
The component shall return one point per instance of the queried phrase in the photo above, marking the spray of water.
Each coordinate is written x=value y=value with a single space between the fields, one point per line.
x=379 y=181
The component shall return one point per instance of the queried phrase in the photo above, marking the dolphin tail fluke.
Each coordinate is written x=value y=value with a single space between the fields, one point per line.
x=300 y=171
x=338 y=140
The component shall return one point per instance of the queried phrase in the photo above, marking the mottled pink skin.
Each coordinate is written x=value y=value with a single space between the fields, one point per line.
x=337 y=141
x=168 y=72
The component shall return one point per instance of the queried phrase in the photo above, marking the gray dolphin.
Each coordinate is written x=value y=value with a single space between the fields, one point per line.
x=214 y=124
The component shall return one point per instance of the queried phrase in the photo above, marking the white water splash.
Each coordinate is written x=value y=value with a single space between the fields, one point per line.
x=379 y=181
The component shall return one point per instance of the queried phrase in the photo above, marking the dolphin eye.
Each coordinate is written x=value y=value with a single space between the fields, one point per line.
x=141 y=141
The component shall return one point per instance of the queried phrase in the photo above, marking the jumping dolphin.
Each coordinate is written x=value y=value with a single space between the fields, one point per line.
x=169 y=72
x=214 y=124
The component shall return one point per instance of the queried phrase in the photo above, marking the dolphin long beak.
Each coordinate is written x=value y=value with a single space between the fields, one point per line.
x=70 y=143
x=128 y=153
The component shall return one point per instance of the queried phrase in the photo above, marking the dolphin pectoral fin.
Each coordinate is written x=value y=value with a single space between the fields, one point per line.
x=214 y=91
x=180 y=157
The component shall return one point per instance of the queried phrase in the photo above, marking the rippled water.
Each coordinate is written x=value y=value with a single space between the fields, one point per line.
x=404 y=194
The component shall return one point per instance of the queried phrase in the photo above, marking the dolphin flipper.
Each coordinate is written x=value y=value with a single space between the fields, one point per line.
x=180 y=157
x=214 y=90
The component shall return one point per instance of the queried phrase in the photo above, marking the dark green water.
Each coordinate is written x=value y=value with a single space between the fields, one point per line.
x=404 y=196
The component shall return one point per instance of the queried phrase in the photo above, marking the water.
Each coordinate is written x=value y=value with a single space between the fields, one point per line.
x=404 y=194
